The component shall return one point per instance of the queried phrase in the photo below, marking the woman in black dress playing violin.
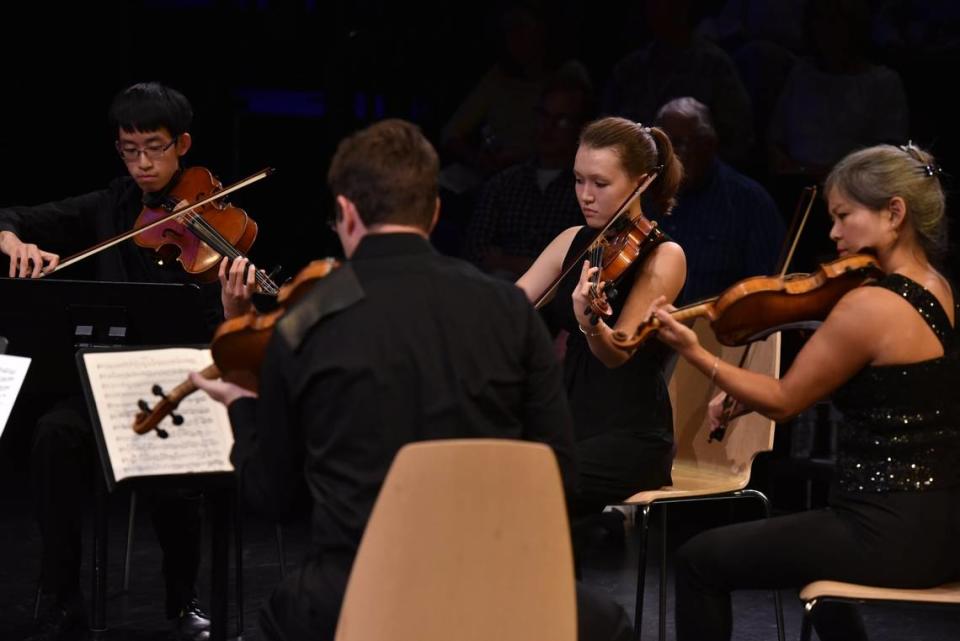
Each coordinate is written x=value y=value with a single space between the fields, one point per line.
x=890 y=356
x=622 y=417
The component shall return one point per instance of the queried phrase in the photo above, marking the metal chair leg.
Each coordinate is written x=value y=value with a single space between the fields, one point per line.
x=777 y=602
x=641 y=571
x=36 y=601
x=663 y=573
x=281 y=551
x=807 y=625
x=128 y=553
x=238 y=544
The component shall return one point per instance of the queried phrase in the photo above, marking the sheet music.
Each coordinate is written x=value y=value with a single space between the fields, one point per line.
x=13 y=369
x=119 y=379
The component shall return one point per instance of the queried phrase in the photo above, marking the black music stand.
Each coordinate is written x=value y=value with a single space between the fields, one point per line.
x=48 y=320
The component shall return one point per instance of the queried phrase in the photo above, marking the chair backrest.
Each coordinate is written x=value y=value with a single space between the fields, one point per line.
x=691 y=392
x=468 y=540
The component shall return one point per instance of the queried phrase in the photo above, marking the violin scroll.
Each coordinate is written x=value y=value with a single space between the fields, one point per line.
x=148 y=419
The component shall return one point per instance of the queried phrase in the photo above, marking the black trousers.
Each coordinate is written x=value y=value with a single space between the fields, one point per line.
x=63 y=463
x=904 y=539
x=306 y=606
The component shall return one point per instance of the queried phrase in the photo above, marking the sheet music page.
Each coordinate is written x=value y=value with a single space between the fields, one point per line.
x=119 y=379
x=13 y=369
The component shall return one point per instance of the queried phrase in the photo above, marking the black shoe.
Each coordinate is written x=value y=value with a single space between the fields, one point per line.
x=192 y=623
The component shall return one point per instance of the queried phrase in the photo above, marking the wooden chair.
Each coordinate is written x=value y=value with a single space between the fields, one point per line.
x=820 y=591
x=469 y=540
x=705 y=470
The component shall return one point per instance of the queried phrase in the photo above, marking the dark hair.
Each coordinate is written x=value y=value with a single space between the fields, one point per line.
x=874 y=175
x=641 y=150
x=572 y=77
x=688 y=107
x=150 y=106
x=389 y=171
x=853 y=16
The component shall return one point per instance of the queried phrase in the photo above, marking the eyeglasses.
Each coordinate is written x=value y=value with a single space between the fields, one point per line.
x=153 y=152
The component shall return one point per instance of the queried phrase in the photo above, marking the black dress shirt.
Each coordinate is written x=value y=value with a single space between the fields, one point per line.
x=401 y=344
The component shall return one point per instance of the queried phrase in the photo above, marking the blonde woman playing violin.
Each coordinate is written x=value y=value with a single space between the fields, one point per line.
x=889 y=354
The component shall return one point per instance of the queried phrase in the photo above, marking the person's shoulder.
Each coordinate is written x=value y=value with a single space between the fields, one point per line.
x=864 y=309
x=328 y=296
x=669 y=252
x=882 y=77
x=743 y=183
x=710 y=54
x=122 y=183
x=476 y=284
x=514 y=174
x=635 y=61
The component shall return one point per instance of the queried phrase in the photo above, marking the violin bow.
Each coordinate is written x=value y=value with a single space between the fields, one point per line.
x=808 y=195
x=181 y=211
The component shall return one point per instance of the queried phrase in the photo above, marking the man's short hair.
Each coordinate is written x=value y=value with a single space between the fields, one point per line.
x=389 y=171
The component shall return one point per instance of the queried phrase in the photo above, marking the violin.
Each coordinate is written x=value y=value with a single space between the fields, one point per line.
x=198 y=233
x=200 y=239
x=622 y=241
x=238 y=347
x=626 y=241
x=749 y=309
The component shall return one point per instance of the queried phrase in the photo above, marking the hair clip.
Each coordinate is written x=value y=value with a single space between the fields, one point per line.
x=932 y=170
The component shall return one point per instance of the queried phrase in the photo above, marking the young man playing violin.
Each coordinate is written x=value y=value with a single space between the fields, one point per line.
x=400 y=344
x=151 y=122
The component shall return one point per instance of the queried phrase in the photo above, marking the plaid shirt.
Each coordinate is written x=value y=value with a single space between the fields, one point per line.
x=514 y=215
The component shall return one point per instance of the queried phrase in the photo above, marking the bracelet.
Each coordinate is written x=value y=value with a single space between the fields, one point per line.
x=713 y=372
x=590 y=334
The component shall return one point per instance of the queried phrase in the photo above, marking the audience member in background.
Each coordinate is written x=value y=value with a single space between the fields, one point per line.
x=493 y=127
x=521 y=209
x=679 y=63
x=836 y=100
x=727 y=224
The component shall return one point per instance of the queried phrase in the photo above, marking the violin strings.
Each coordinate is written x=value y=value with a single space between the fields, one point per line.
x=221 y=245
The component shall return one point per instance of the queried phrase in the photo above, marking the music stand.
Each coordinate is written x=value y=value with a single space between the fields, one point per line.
x=48 y=320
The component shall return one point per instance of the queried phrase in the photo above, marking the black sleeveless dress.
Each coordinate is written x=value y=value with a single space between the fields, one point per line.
x=894 y=510
x=623 y=422
x=901 y=423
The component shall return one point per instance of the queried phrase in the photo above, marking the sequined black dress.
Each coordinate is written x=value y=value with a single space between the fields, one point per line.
x=894 y=515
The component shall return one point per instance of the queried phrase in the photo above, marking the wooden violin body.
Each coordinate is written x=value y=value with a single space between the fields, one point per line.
x=755 y=305
x=199 y=239
x=238 y=347
x=625 y=242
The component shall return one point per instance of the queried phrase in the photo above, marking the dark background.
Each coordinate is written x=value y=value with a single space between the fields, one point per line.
x=279 y=83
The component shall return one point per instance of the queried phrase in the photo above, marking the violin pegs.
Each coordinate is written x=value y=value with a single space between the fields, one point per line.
x=142 y=404
x=162 y=433
x=176 y=418
x=157 y=390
